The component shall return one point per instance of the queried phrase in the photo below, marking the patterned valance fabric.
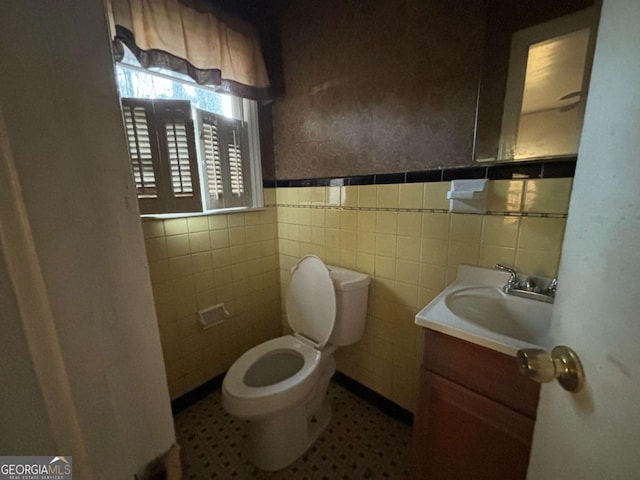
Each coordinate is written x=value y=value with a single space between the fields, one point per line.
x=189 y=37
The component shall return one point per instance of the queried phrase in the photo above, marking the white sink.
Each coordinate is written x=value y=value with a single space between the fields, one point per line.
x=474 y=308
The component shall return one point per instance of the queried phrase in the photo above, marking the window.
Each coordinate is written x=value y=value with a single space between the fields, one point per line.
x=192 y=149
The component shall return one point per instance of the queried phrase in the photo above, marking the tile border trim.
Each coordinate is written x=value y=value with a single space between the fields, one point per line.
x=419 y=210
x=564 y=168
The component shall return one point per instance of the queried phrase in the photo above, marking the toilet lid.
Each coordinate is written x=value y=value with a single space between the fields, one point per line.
x=311 y=300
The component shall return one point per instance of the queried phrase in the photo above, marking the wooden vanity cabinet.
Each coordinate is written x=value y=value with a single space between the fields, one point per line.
x=475 y=413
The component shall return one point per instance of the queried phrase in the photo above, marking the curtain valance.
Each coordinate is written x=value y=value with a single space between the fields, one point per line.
x=193 y=39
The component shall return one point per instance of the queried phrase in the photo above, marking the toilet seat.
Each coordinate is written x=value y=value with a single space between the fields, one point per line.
x=310 y=302
x=248 y=401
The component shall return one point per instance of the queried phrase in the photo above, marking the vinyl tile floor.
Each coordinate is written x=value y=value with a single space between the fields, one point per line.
x=359 y=442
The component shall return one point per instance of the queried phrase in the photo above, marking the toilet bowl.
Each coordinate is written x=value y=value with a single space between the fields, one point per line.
x=280 y=386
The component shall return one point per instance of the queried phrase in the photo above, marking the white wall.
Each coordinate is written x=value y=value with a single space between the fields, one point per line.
x=595 y=434
x=72 y=242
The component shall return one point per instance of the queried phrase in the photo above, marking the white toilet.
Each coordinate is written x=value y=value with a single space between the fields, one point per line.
x=279 y=386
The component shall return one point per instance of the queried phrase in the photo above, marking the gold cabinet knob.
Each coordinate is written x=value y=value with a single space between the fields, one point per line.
x=563 y=364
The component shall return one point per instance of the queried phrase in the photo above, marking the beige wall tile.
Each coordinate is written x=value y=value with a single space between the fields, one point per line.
x=491 y=255
x=386 y=222
x=537 y=262
x=387 y=196
x=218 y=222
x=238 y=253
x=405 y=294
x=366 y=221
x=431 y=277
x=435 y=195
x=318 y=236
x=252 y=233
x=367 y=195
x=199 y=242
x=332 y=238
x=539 y=233
x=219 y=238
x=385 y=267
x=548 y=195
x=159 y=270
x=176 y=226
x=203 y=281
x=463 y=253
x=221 y=257
x=304 y=233
x=156 y=248
x=178 y=245
x=407 y=272
x=348 y=240
x=411 y=195
x=318 y=196
x=348 y=259
x=505 y=195
x=434 y=251
x=348 y=219
x=365 y=262
x=500 y=231
x=197 y=224
x=235 y=220
x=410 y=224
x=466 y=228
x=201 y=262
x=436 y=225
x=317 y=218
x=408 y=248
x=180 y=266
x=153 y=228
x=269 y=196
x=349 y=196
x=302 y=216
x=332 y=196
x=332 y=218
x=386 y=244
x=237 y=236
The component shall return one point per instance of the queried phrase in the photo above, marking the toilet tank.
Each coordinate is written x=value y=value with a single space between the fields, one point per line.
x=352 y=293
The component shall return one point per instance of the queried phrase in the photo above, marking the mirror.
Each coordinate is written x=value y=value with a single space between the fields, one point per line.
x=534 y=79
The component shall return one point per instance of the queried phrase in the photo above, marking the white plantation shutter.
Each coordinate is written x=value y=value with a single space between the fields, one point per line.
x=178 y=152
x=137 y=128
x=163 y=155
x=235 y=167
x=143 y=150
x=212 y=159
x=222 y=144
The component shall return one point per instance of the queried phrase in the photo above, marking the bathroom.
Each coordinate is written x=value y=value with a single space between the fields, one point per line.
x=352 y=108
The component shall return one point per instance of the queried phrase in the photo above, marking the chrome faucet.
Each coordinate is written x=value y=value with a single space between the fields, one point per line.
x=529 y=288
x=513 y=281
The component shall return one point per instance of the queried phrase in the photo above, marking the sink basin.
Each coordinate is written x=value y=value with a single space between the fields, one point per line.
x=474 y=308
x=490 y=308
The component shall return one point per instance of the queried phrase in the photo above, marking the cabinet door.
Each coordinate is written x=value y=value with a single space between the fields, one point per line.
x=459 y=434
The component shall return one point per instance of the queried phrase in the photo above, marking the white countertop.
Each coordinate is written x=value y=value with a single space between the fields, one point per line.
x=437 y=316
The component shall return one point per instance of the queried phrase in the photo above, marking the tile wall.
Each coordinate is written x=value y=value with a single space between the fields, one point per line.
x=403 y=236
x=198 y=262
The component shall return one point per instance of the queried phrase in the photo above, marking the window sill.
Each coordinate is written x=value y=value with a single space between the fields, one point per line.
x=221 y=211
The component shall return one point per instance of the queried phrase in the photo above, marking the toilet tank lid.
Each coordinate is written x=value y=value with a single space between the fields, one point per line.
x=344 y=279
